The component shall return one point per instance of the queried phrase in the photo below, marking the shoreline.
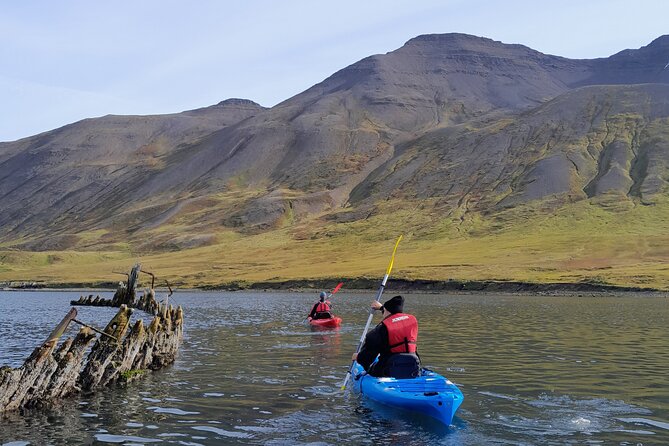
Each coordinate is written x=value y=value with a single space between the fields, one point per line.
x=362 y=285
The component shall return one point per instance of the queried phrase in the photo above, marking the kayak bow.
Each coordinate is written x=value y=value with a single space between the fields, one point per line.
x=331 y=322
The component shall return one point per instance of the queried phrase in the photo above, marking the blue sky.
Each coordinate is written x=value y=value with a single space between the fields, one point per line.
x=62 y=61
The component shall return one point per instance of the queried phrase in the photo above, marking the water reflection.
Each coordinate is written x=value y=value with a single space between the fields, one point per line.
x=534 y=370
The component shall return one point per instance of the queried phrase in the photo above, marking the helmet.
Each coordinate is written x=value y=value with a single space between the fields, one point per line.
x=323 y=295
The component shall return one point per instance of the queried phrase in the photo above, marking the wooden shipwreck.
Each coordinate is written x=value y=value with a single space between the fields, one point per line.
x=120 y=353
x=126 y=294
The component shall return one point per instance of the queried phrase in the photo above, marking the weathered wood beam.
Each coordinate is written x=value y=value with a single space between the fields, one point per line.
x=60 y=328
x=94 y=329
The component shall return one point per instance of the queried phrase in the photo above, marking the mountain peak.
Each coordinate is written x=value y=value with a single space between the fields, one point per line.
x=455 y=42
x=661 y=41
x=450 y=39
x=447 y=37
x=237 y=101
x=660 y=45
x=657 y=47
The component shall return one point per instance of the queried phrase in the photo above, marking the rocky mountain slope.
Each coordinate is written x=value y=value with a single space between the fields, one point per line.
x=467 y=125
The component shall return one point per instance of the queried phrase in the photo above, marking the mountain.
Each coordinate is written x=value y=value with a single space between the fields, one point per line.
x=449 y=126
x=89 y=169
x=584 y=143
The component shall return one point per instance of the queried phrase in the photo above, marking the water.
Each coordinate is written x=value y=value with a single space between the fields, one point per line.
x=534 y=370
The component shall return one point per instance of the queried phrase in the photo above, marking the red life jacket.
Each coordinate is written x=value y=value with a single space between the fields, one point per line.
x=323 y=307
x=402 y=332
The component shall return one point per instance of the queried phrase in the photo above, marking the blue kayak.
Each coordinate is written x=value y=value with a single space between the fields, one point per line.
x=430 y=394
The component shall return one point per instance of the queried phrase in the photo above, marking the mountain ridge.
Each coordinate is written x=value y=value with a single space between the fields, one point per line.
x=460 y=127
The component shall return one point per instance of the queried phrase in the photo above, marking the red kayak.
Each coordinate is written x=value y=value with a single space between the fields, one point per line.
x=331 y=322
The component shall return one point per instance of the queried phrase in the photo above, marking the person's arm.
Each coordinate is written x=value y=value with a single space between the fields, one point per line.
x=313 y=310
x=372 y=346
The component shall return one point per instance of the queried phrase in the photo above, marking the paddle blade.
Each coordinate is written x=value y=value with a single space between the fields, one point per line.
x=392 y=259
x=343 y=386
x=336 y=288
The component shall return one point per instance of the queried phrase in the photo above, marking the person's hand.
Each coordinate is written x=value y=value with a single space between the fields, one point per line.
x=354 y=357
x=376 y=305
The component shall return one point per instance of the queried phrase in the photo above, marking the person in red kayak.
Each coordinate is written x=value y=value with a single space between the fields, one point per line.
x=322 y=309
x=393 y=340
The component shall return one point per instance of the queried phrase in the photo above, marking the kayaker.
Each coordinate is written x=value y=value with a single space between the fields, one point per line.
x=321 y=309
x=393 y=340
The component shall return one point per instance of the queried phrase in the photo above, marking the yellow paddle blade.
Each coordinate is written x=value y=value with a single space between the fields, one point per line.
x=392 y=259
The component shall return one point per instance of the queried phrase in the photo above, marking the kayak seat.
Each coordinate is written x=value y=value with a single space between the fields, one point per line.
x=402 y=366
x=323 y=315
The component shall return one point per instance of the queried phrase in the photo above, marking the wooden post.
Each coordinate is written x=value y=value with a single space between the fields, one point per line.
x=61 y=327
x=153 y=277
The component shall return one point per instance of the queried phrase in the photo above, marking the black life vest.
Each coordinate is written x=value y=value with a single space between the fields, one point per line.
x=402 y=332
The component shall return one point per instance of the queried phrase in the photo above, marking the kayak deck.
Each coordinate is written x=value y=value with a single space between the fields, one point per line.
x=429 y=394
x=325 y=323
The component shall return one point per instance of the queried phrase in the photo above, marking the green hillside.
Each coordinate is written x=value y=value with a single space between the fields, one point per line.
x=594 y=241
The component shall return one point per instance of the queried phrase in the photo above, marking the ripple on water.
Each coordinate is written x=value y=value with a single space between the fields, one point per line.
x=581 y=424
x=563 y=415
x=498 y=395
x=259 y=429
x=290 y=346
x=222 y=432
x=171 y=410
x=660 y=424
x=322 y=390
x=273 y=381
x=108 y=438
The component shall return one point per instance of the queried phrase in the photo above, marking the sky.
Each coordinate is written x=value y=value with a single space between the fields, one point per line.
x=67 y=60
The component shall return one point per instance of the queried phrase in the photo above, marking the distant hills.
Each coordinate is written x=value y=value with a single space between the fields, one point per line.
x=452 y=138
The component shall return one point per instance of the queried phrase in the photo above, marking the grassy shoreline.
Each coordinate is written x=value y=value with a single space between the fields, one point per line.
x=367 y=284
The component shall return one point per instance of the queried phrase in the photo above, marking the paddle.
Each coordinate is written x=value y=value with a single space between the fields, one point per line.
x=336 y=289
x=371 y=312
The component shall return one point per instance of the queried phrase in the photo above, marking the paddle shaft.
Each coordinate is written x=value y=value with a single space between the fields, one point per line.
x=364 y=333
x=371 y=312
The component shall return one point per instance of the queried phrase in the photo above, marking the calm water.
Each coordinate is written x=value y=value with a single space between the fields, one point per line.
x=534 y=371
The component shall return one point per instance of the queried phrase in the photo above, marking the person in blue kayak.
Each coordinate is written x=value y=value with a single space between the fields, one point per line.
x=321 y=309
x=393 y=341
